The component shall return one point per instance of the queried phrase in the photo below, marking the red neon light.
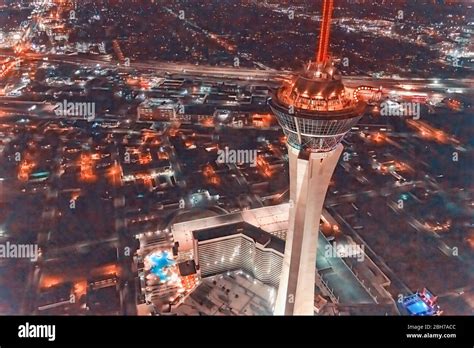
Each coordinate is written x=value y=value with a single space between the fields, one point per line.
x=323 y=46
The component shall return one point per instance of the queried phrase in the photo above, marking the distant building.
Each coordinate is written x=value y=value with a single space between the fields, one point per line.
x=9 y=39
x=55 y=296
x=187 y=268
x=136 y=171
x=157 y=109
x=222 y=116
x=103 y=295
x=239 y=246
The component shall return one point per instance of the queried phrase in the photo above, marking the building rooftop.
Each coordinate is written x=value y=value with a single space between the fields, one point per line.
x=271 y=219
x=257 y=234
x=158 y=103
x=187 y=268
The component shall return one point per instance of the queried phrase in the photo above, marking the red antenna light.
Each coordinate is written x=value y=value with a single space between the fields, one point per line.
x=323 y=46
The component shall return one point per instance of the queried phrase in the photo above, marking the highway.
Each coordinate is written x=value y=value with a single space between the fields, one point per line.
x=416 y=84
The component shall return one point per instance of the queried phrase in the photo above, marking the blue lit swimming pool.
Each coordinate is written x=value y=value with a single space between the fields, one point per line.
x=160 y=262
x=415 y=305
x=418 y=308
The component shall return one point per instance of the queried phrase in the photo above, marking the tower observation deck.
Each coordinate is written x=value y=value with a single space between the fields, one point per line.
x=315 y=112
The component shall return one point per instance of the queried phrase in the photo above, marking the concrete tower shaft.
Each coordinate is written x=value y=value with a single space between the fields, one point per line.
x=309 y=181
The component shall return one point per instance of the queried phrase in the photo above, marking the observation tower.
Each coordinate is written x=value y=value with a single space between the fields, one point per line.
x=315 y=111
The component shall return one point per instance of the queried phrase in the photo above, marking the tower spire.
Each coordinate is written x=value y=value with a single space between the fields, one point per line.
x=322 y=54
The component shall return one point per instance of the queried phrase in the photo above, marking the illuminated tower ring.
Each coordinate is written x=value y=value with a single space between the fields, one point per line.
x=315 y=112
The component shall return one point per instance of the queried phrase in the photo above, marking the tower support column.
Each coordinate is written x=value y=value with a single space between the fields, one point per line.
x=309 y=181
